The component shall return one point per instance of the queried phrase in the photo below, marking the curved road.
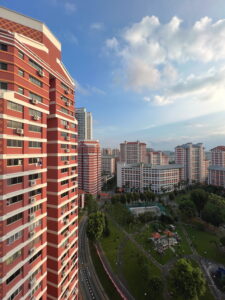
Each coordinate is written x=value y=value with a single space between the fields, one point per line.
x=90 y=287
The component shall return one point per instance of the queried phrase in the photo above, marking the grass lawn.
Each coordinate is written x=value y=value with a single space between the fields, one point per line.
x=111 y=244
x=103 y=277
x=206 y=244
x=132 y=272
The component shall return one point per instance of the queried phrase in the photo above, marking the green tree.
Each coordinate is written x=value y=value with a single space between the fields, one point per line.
x=213 y=214
x=187 y=281
x=222 y=240
x=96 y=225
x=187 y=208
x=200 y=198
x=91 y=203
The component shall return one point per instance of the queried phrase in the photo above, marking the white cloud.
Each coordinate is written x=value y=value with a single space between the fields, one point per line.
x=97 y=26
x=70 y=7
x=158 y=58
x=88 y=90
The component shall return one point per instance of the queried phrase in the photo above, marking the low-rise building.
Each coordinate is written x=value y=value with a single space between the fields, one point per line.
x=158 y=178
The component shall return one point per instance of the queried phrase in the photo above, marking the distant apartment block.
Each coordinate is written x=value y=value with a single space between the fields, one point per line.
x=217 y=168
x=108 y=165
x=39 y=209
x=156 y=158
x=84 y=119
x=132 y=152
x=89 y=167
x=192 y=158
x=140 y=176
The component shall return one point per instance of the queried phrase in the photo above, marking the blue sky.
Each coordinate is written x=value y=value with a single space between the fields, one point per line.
x=148 y=70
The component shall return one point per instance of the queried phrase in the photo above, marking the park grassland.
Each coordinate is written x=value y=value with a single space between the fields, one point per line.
x=127 y=265
x=206 y=244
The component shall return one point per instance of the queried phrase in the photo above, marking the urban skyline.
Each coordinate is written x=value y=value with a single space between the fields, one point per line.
x=103 y=41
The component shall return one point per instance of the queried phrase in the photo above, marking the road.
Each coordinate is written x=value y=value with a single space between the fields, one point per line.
x=90 y=287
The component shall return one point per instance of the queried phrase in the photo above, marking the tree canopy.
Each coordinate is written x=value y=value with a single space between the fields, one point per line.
x=96 y=225
x=186 y=280
x=200 y=198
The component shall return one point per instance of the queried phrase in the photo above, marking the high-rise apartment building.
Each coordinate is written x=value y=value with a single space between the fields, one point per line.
x=217 y=169
x=84 y=119
x=108 y=164
x=132 y=152
x=89 y=167
x=39 y=222
x=157 y=158
x=192 y=157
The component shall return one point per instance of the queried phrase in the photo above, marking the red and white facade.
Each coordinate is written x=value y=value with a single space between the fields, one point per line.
x=158 y=178
x=132 y=152
x=89 y=167
x=217 y=168
x=38 y=163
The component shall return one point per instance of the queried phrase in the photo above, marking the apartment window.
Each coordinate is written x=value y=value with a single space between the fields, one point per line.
x=35 y=192
x=14 y=294
x=64 y=182
x=73 y=157
x=73 y=147
x=63 y=158
x=14 y=237
x=14 y=162
x=64 y=170
x=20 y=72
x=36 y=97
x=64 y=98
x=14 y=199
x=35 y=225
x=64 y=194
x=73 y=136
x=35 y=208
x=63 y=146
x=15 y=180
x=35 y=257
x=3 y=47
x=35 y=65
x=34 y=176
x=73 y=125
x=14 y=124
x=15 y=143
x=65 y=111
x=35 y=128
x=3 y=85
x=34 y=112
x=74 y=168
x=3 y=66
x=20 y=90
x=34 y=144
x=64 y=134
x=34 y=160
x=35 y=81
x=14 y=218
x=20 y=54
x=65 y=87
x=14 y=275
x=12 y=258
x=14 y=106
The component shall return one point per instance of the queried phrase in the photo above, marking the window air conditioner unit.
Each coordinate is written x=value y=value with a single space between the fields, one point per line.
x=31 y=251
x=67 y=103
x=34 y=101
x=19 y=131
x=63 y=262
x=67 y=138
x=67 y=150
x=67 y=162
x=32 y=200
x=66 y=92
x=67 y=127
x=32 y=233
x=67 y=245
x=20 y=162
x=31 y=217
x=36 y=118
x=32 y=182
x=41 y=73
